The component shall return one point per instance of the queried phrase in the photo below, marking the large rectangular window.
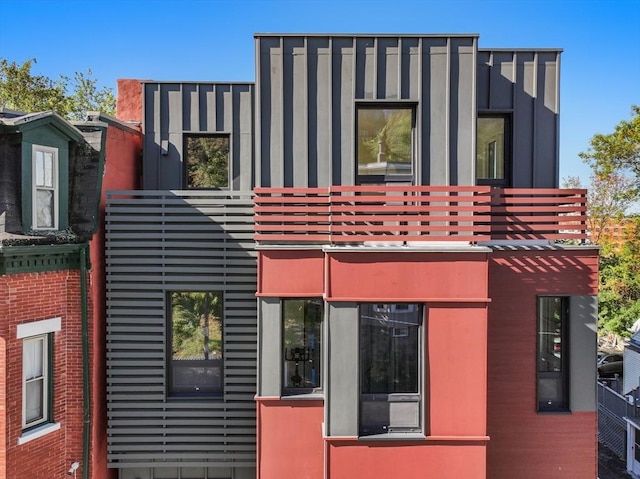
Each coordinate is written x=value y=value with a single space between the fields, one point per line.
x=36 y=381
x=302 y=330
x=492 y=150
x=45 y=187
x=553 y=371
x=385 y=144
x=196 y=357
x=206 y=161
x=390 y=368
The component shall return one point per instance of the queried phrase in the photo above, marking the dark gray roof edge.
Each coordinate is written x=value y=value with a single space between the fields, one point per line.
x=522 y=50
x=97 y=118
x=371 y=35
x=70 y=128
x=198 y=82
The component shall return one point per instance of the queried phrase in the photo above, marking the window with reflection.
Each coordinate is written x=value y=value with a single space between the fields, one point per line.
x=207 y=161
x=390 y=365
x=385 y=144
x=302 y=336
x=552 y=353
x=492 y=161
x=196 y=357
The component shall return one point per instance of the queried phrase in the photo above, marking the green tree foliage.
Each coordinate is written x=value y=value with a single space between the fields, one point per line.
x=196 y=318
x=207 y=161
x=618 y=152
x=619 y=297
x=22 y=90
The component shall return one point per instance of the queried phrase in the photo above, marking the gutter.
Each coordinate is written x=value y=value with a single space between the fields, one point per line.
x=84 y=251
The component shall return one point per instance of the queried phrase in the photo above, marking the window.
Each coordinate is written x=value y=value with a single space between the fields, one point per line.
x=206 y=161
x=36 y=381
x=385 y=144
x=492 y=150
x=196 y=358
x=552 y=354
x=390 y=368
x=37 y=377
x=302 y=322
x=45 y=187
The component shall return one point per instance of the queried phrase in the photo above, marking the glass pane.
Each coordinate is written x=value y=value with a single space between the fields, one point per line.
x=39 y=168
x=196 y=341
x=490 y=148
x=48 y=169
x=550 y=335
x=33 y=358
x=385 y=141
x=207 y=161
x=44 y=209
x=34 y=405
x=389 y=348
x=302 y=319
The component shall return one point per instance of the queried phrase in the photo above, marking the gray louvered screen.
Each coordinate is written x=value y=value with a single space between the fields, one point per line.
x=161 y=241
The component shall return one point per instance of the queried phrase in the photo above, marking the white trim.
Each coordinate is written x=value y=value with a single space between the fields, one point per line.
x=38 y=432
x=36 y=328
x=55 y=188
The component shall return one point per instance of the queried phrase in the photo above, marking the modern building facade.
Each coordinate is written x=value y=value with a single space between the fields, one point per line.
x=425 y=305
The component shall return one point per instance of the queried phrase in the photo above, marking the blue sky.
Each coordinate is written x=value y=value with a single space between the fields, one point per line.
x=213 y=40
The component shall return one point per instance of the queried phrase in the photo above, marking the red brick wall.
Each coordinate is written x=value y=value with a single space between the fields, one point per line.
x=31 y=297
x=525 y=444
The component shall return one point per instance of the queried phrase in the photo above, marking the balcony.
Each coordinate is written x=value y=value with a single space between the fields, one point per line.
x=414 y=215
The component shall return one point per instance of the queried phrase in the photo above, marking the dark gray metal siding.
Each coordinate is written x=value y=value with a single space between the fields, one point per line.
x=161 y=241
x=173 y=109
x=525 y=84
x=309 y=86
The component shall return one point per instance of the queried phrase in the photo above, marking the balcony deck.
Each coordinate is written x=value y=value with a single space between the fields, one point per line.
x=411 y=215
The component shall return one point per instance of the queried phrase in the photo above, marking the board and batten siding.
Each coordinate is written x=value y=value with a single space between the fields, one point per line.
x=309 y=87
x=172 y=110
x=163 y=241
x=525 y=85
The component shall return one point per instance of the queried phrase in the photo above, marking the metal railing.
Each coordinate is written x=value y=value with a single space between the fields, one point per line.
x=361 y=214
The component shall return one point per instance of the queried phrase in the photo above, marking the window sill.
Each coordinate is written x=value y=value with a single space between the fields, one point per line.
x=43 y=430
x=394 y=436
x=303 y=397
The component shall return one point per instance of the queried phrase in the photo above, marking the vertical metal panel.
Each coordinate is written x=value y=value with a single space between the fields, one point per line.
x=269 y=347
x=310 y=139
x=583 y=337
x=342 y=391
x=157 y=242
x=525 y=84
x=175 y=109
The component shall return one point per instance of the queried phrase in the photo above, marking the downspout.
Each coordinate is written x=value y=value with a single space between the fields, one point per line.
x=84 y=251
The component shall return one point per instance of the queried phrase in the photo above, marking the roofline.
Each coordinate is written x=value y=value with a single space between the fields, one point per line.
x=371 y=35
x=521 y=50
x=96 y=118
x=65 y=126
x=201 y=82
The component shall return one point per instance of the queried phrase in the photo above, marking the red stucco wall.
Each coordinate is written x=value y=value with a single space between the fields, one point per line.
x=121 y=172
x=525 y=444
x=27 y=298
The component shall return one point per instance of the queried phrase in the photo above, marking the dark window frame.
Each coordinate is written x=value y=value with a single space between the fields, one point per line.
x=193 y=391
x=185 y=163
x=387 y=399
x=507 y=181
x=293 y=390
x=559 y=403
x=48 y=390
x=390 y=178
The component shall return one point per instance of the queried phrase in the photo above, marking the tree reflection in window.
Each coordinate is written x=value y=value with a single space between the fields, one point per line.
x=207 y=161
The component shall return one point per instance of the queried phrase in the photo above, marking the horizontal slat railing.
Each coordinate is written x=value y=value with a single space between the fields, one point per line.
x=407 y=214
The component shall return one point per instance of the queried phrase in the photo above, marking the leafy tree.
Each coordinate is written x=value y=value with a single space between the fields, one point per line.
x=619 y=297
x=21 y=90
x=618 y=152
x=207 y=161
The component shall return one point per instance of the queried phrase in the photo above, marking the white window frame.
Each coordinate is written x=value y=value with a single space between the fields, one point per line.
x=55 y=188
x=38 y=331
